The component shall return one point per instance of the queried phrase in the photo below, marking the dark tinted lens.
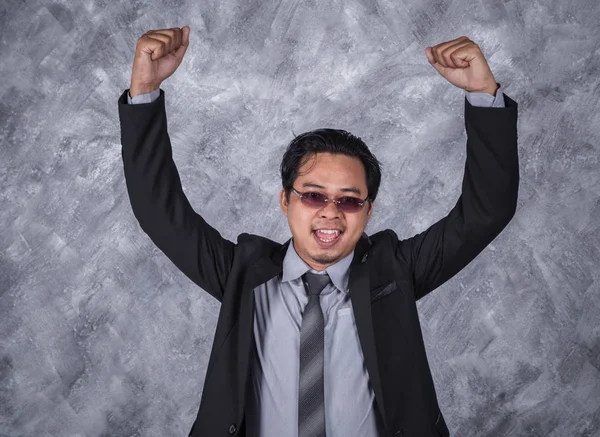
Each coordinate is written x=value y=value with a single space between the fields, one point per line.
x=349 y=204
x=315 y=200
x=344 y=204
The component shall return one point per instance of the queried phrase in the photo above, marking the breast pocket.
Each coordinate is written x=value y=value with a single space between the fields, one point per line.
x=383 y=290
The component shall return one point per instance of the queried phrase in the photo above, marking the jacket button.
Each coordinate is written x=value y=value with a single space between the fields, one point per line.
x=232 y=429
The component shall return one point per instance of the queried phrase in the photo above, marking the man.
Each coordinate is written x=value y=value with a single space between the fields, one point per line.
x=320 y=336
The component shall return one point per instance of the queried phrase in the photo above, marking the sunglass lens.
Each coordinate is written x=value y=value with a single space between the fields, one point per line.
x=315 y=200
x=349 y=204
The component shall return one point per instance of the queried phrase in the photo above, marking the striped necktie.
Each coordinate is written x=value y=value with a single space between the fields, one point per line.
x=311 y=392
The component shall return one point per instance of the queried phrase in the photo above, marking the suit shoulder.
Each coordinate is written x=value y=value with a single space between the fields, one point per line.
x=384 y=237
x=386 y=242
x=257 y=242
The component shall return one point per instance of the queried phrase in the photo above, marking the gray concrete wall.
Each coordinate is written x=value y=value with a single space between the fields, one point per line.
x=100 y=335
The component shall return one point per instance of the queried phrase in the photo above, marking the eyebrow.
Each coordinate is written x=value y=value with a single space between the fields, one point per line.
x=346 y=190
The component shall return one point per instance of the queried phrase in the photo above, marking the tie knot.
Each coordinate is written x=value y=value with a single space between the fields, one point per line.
x=315 y=283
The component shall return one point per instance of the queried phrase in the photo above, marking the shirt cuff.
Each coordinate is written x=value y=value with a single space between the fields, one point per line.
x=143 y=98
x=486 y=99
x=475 y=99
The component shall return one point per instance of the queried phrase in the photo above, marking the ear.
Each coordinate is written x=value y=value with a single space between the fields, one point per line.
x=370 y=212
x=283 y=202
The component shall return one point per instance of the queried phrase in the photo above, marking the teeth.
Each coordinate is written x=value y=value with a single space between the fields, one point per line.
x=333 y=232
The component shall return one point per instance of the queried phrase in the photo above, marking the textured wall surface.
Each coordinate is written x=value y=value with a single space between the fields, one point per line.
x=100 y=335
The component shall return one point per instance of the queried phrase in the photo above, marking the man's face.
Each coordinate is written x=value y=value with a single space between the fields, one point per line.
x=335 y=176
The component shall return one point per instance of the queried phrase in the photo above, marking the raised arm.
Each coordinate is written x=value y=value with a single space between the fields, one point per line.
x=486 y=205
x=153 y=184
x=490 y=183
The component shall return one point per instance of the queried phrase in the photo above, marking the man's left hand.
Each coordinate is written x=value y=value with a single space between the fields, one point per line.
x=461 y=63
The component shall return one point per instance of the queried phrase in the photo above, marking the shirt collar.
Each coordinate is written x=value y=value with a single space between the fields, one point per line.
x=294 y=267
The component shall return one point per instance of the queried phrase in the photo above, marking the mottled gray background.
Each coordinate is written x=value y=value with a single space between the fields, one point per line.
x=100 y=335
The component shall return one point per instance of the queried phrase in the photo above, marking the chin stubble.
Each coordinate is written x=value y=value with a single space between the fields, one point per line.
x=325 y=259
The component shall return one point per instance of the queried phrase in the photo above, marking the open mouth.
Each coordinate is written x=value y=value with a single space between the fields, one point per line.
x=327 y=238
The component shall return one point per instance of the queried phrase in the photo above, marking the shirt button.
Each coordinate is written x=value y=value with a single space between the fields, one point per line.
x=232 y=429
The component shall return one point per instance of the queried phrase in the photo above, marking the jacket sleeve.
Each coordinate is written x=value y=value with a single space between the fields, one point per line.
x=159 y=203
x=485 y=207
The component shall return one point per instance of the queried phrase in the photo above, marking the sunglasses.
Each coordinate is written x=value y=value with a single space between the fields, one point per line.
x=345 y=204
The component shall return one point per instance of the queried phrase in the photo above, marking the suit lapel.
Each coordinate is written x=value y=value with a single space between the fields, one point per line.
x=265 y=268
x=360 y=296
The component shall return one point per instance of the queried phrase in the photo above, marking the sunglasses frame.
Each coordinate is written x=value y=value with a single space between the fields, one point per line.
x=337 y=202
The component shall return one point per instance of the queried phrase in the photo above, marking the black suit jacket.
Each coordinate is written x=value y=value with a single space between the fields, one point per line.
x=387 y=275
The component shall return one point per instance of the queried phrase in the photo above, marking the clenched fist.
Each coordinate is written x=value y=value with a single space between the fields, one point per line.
x=158 y=53
x=461 y=63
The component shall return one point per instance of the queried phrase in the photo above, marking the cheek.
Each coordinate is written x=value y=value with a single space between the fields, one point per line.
x=299 y=219
x=356 y=224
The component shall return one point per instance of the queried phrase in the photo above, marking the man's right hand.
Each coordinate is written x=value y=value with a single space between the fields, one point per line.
x=157 y=55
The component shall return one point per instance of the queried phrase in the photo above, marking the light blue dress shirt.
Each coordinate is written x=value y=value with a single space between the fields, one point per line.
x=273 y=394
x=349 y=407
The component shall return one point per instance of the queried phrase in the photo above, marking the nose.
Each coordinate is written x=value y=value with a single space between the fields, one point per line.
x=330 y=210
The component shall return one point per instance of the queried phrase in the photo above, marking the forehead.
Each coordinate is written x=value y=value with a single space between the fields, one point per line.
x=333 y=171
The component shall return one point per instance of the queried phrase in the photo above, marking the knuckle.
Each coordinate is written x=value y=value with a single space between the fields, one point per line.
x=159 y=45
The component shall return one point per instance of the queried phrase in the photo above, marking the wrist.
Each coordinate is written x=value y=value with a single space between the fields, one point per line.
x=136 y=89
x=490 y=90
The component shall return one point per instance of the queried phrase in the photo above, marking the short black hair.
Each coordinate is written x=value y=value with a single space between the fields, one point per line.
x=326 y=140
